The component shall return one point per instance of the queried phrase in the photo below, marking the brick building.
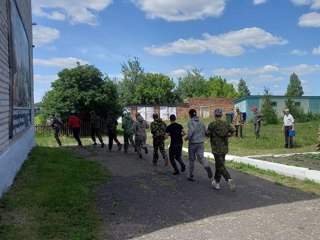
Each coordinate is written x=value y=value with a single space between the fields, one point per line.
x=204 y=107
x=16 y=88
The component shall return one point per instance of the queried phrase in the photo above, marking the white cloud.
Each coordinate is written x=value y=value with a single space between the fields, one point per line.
x=76 y=11
x=257 y=2
x=316 y=51
x=314 y=4
x=228 y=44
x=181 y=10
x=182 y=72
x=268 y=78
x=298 y=52
x=267 y=70
x=59 y=62
x=44 y=35
x=38 y=78
x=310 y=20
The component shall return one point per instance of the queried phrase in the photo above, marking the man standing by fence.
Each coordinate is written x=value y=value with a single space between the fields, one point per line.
x=74 y=122
x=95 y=128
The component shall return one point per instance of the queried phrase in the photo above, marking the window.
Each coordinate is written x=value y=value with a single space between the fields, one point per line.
x=205 y=112
x=297 y=104
x=274 y=104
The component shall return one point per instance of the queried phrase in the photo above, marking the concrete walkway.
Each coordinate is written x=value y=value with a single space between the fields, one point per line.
x=145 y=202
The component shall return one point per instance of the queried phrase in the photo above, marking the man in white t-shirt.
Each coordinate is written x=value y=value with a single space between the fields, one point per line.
x=288 y=125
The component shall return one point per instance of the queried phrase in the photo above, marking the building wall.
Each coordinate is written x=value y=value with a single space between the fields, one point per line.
x=13 y=151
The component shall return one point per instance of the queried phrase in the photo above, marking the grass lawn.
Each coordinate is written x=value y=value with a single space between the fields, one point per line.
x=52 y=197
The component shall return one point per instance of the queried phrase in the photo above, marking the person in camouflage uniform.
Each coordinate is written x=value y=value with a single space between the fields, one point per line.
x=219 y=131
x=127 y=123
x=112 y=132
x=256 y=121
x=95 y=128
x=238 y=122
x=318 y=146
x=139 y=128
x=158 y=130
x=56 y=124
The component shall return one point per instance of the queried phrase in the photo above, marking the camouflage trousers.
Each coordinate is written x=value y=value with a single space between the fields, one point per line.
x=127 y=138
x=56 y=134
x=221 y=169
x=158 y=144
x=140 y=143
x=257 y=129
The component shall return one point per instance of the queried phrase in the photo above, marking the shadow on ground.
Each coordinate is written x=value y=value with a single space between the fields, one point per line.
x=141 y=199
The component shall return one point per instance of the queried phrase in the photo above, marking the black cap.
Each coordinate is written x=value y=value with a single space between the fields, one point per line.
x=172 y=117
x=192 y=112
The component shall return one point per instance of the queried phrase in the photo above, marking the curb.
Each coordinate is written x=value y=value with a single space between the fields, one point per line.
x=290 y=171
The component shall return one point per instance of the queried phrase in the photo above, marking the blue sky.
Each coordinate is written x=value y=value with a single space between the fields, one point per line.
x=261 y=41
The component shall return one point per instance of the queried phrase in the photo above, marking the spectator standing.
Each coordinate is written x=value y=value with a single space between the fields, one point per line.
x=176 y=132
x=288 y=126
x=75 y=123
x=158 y=130
x=238 y=122
x=256 y=121
x=196 y=137
x=219 y=132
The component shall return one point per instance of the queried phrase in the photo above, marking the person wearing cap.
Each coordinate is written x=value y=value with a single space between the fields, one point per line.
x=196 y=136
x=238 y=122
x=219 y=131
x=95 y=128
x=288 y=125
x=158 y=130
x=256 y=121
x=127 y=123
x=176 y=132
x=139 y=128
x=75 y=123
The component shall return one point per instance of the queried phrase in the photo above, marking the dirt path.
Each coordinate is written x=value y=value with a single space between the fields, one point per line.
x=146 y=202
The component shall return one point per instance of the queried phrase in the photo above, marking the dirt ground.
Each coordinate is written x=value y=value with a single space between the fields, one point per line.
x=311 y=161
x=141 y=201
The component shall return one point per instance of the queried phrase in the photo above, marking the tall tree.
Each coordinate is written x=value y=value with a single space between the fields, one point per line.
x=133 y=74
x=220 y=88
x=192 y=85
x=81 y=89
x=294 y=88
x=268 y=112
x=243 y=89
x=155 y=88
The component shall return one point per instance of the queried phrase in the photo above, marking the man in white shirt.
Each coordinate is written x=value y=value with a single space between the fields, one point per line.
x=288 y=125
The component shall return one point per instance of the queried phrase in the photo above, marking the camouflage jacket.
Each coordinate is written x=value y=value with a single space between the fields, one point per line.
x=95 y=121
x=256 y=117
x=218 y=132
x=237 y=118
x=127 y=123
x=158 y=128
x=139 y=127
x=112 y=124
x=55 y=124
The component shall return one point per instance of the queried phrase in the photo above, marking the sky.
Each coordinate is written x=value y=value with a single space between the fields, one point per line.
x=260 y=41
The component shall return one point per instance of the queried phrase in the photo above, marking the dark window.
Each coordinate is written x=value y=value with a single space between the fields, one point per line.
x=274 y=104
x=297 y=104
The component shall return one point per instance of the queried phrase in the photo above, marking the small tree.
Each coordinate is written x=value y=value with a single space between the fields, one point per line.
x=220 y=88
x=268 y=112
x=294 y=88
x=243 y=89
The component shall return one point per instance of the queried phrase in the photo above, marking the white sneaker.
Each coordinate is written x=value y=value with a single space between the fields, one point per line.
x=232 y=185
x=215 y=184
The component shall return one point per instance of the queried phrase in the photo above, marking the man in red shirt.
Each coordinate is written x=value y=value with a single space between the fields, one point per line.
x=74 y=122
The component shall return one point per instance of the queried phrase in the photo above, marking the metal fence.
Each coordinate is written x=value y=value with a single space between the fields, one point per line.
x=43 y=130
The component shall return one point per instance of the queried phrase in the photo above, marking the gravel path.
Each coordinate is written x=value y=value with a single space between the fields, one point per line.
x=145 y=202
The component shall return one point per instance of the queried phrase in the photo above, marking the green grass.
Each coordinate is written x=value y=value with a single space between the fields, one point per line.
x=52 y=198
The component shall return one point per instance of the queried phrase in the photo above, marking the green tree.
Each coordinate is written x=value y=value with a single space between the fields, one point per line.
x=81 y=89
x=268 y=112
x=294 y=88
x=133 y=74
x=155 y=88
x=192 y=85
x=243 y=89
x=220 y=88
